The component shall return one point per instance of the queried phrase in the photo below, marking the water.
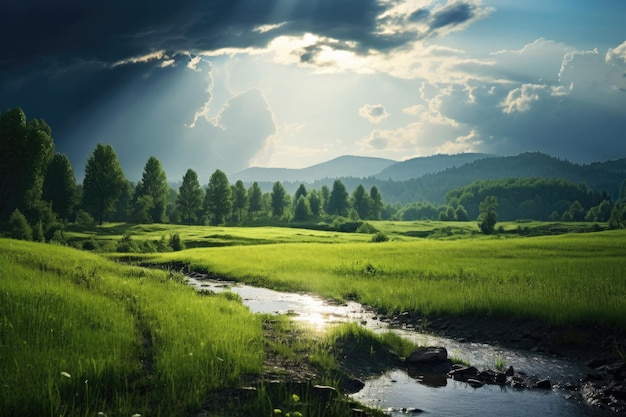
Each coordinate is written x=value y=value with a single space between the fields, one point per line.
x=401 y=394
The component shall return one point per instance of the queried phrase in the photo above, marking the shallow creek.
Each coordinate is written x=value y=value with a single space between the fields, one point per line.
x=400 y=394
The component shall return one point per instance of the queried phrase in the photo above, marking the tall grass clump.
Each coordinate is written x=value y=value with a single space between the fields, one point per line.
x=80 y=335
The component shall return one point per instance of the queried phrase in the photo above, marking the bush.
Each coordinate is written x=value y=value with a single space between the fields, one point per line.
x=380 y=237
x=176 y=242
x=19 y=227
x=126 y=244
x=84 y=218
x=90 y=244
x=52 y=230
x=366 y=228
x=38 y=235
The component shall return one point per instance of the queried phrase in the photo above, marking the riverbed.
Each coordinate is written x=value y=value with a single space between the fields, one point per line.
x=400 y=394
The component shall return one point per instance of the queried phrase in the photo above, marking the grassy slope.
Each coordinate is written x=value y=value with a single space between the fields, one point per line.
x=80 y=334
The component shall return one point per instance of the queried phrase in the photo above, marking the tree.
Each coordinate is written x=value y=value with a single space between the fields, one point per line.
x=315 y=202
x=361 y=202
x=218 y=198
x=19 y=227
x=153 y=184
x=338 y=200
x=240 y=199
x=255 y=198
x=59 y=186
x=377 y=203
x=103 y=183
x=301 y=191
x=279 y=196
x=190 y=195
x=461 y=213
x=302 y=209
x=25 y=151
x=576 y=212
x=616 y=221
x=325 y=194
x=487 y=218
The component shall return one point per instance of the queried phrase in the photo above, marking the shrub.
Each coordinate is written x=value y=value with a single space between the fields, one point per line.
x=19 y=227
x=84 y=218
x=126 y=244
x=90 y=244
x=38 y=235
x=176 y=242
x=380 y=237
x=366 y=228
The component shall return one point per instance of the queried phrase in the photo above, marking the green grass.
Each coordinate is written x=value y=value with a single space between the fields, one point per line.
x=81 y=335
x=572 y=278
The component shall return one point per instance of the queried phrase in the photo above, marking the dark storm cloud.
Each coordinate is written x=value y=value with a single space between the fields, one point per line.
x=452 y=15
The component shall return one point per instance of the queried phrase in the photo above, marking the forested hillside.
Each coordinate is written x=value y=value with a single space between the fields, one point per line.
x=532 y=198
x=602 y=177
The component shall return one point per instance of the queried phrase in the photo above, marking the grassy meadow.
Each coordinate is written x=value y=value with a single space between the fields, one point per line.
x=568 y=278
x=81 y=333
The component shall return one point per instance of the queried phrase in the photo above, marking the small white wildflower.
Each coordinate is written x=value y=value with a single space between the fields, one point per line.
x=66 y=375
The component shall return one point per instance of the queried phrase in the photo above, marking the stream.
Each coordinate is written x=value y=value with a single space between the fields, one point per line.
x=399 y=394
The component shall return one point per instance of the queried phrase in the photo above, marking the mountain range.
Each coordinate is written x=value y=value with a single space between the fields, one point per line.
x=431 y=178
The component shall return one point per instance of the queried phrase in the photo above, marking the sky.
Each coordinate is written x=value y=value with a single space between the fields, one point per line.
x=212 y=84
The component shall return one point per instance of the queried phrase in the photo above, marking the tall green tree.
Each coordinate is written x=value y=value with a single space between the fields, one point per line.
x=153 y=190
x=218 y=201
x=338 y=200
x=190 y=196
x=59 y=186
x=103 y=183
x=302 y=209
x=255 y=197
x=325 y=194
x=377 y=203
x=25 y=151
x=279 y=195
x=487 y=218
x=361 y=202
x=301 y=191
x=240 y=199
x=315 y=202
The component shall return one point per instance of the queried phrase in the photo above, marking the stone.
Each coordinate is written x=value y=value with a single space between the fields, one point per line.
x=543 y=384
x=430 y=359
x=464 y=373
x=475 y=383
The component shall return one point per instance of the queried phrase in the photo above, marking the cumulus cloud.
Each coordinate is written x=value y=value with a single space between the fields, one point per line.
x=374 y=113
x=520 y=99
x=617 y=54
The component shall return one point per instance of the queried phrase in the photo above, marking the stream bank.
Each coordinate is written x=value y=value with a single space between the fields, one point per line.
x=600 y=385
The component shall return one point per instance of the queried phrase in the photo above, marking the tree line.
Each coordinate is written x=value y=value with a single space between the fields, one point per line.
x=39 y=190
x=38 y=193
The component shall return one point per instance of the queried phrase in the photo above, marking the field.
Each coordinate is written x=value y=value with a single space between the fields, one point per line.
x=81 y=333
x=570 y=278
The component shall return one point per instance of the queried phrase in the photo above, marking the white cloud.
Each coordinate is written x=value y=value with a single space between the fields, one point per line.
x=617 y=54
x=157 y=55
x=520 y=99
x=374 y=113
x=462 y=144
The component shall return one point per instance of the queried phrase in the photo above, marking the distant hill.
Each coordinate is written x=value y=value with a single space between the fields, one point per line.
x=343 y=166
x=444 y=173
x=599 y=176
x=417 y=167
